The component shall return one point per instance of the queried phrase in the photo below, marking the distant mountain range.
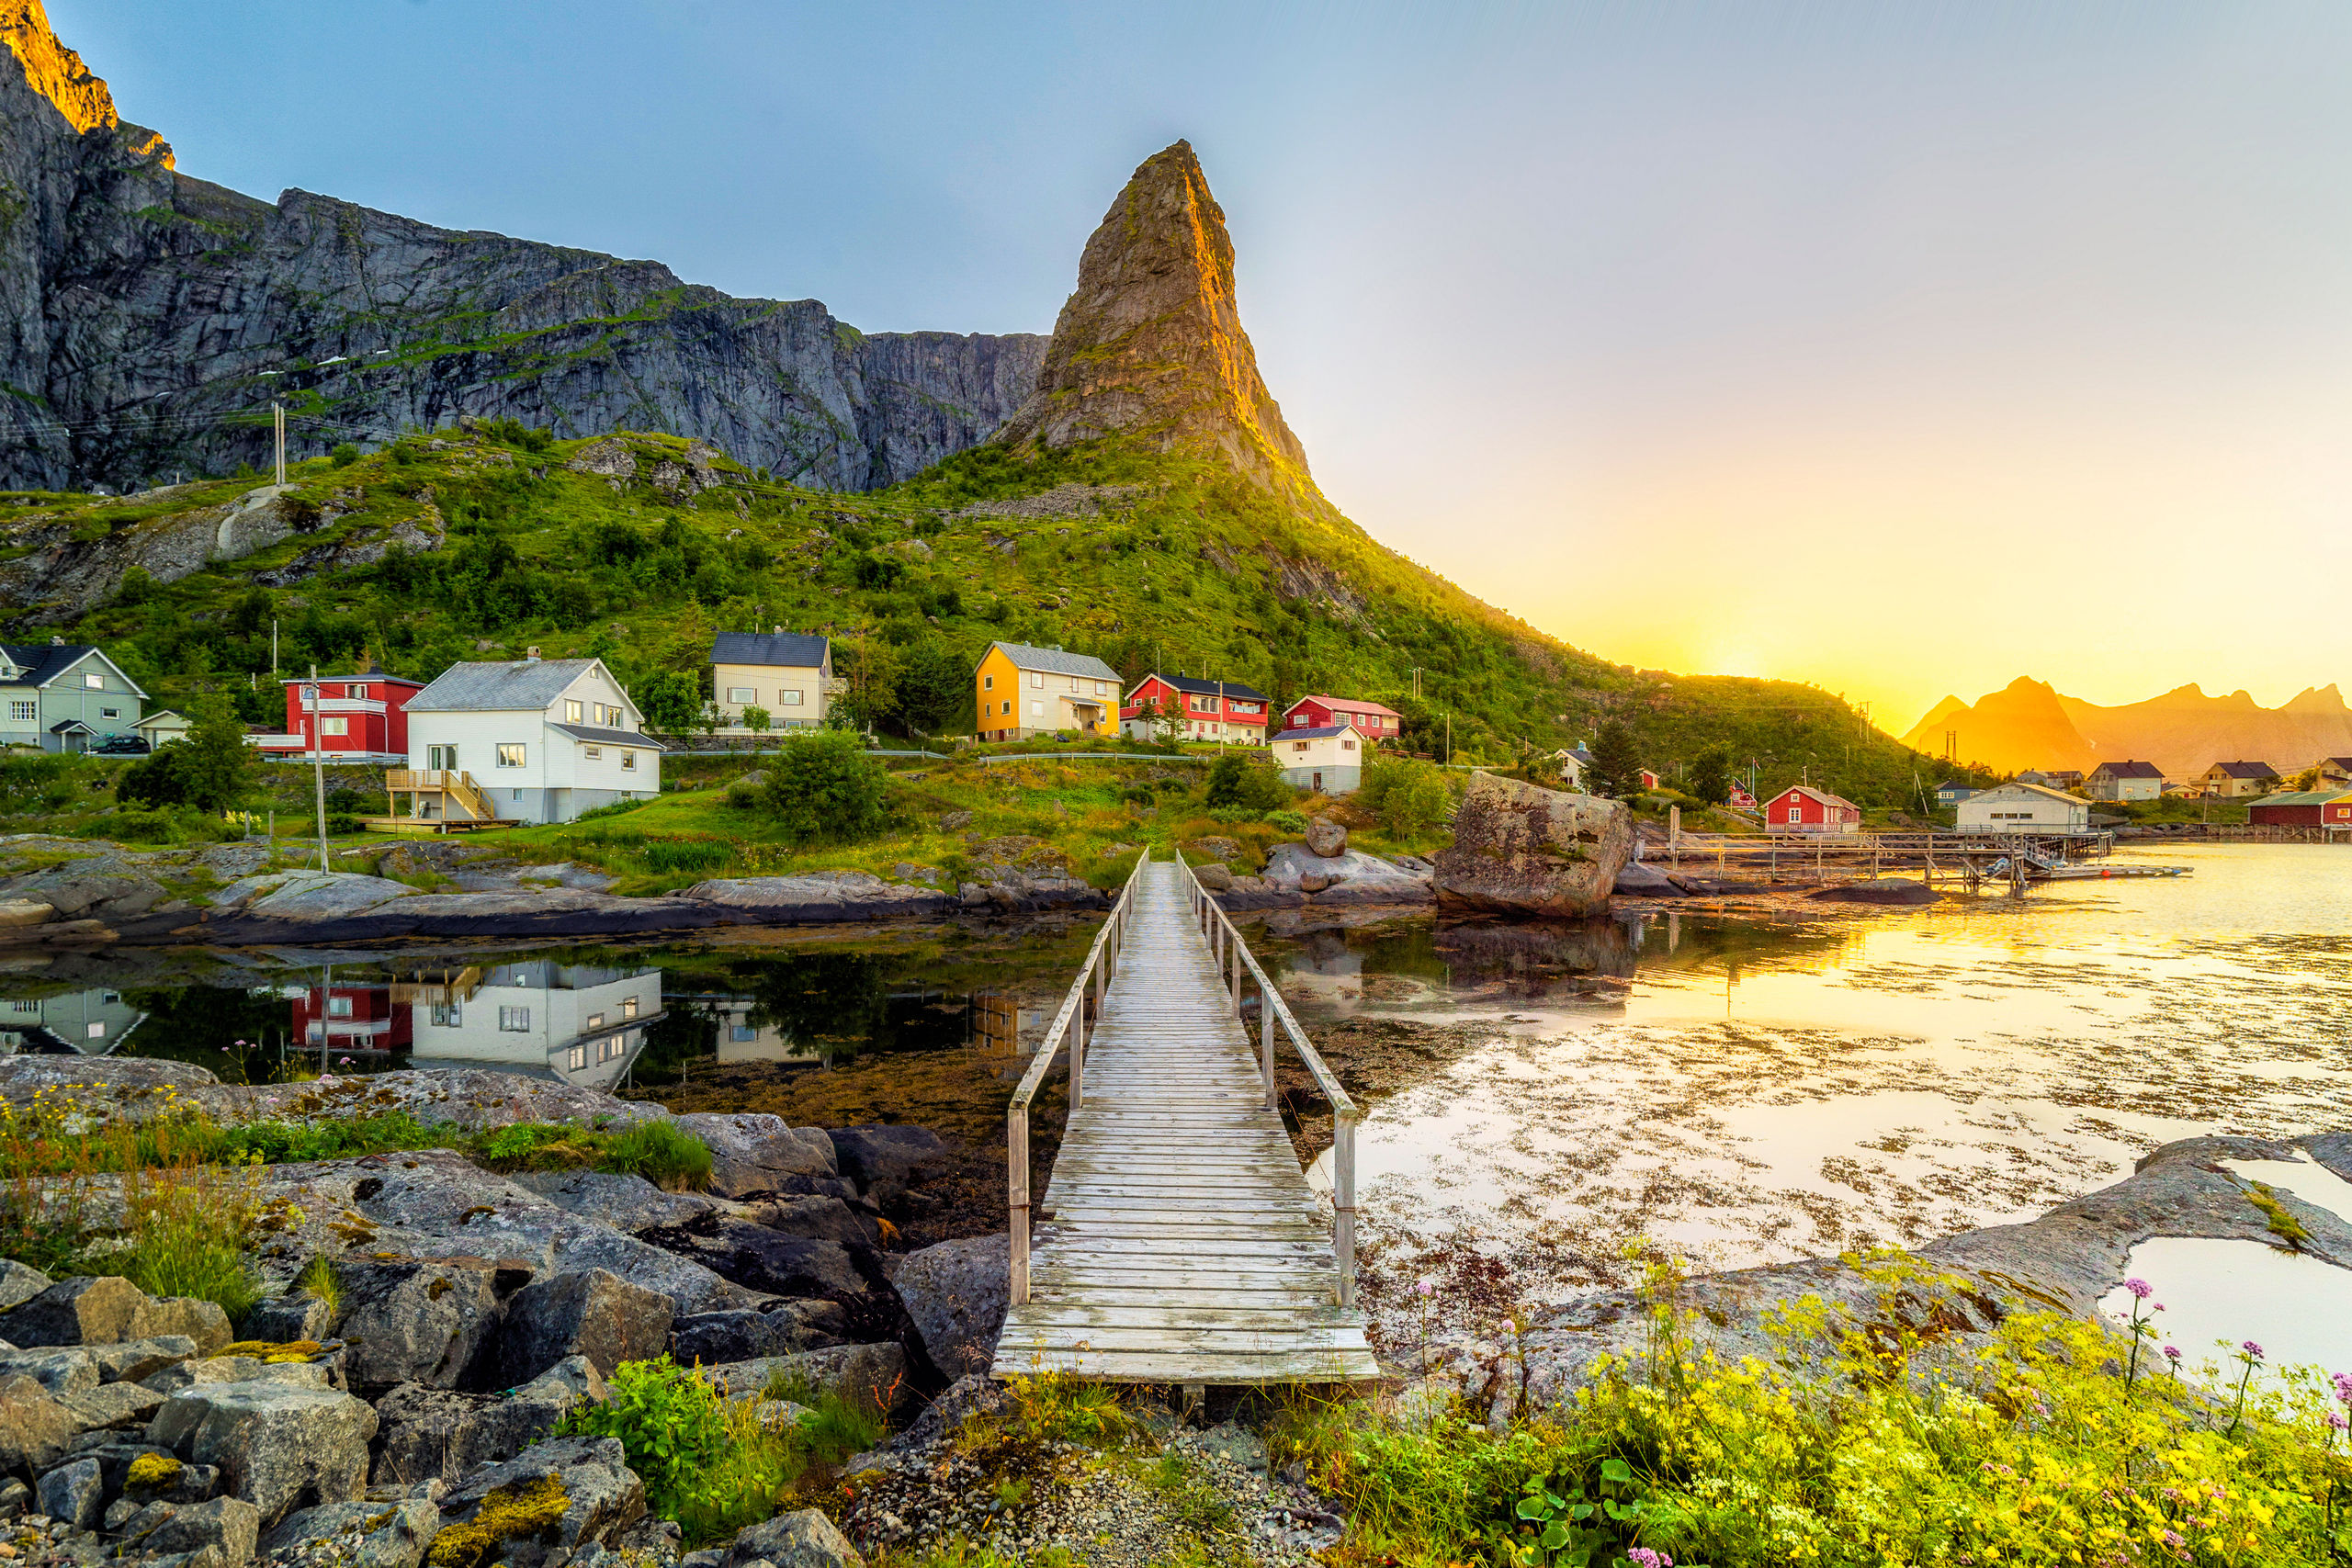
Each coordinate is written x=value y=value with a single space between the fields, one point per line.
x=2029 y=724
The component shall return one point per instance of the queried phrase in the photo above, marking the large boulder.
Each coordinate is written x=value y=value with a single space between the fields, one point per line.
x=553 y=1499
x=803 y=1538
x=189 y=1317
x=873 y=1374
x=356 y=1534
x=956 y=1292
x=278 y=1447
x=435 y=1433
x=19 y=1283
x=750 y=1151
x=75 y=1492
x=745 y=1334
x=628 y=1203
x=59 y=1368
x=34 y=1427
x=590 y=1312
x=874 y=1153
x=412 y=1321
x=1350 y=876
x=81 y=1311
x=775 y=1264
x=227 y=1525
x=1520 y=849
x=1326 y=837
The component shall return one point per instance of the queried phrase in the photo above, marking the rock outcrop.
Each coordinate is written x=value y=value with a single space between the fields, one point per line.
x=140 y=308
x=1150 y=342
x=1520 y=849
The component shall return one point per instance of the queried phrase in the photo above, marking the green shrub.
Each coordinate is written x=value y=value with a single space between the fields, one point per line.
x=821 y=786
x=1286 y=821
x=662 y=1153
x=617 y=809
x=339 y=824
x=344 y=454
x=1236 y=783
x=705 y=1463
x=185 y=1237
x=686 y=854
x=537 y=1146
x=139 y=827
x=319 y=1279
x=282 y=1143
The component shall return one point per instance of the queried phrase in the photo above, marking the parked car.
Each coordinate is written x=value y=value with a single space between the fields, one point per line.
x=120 y=746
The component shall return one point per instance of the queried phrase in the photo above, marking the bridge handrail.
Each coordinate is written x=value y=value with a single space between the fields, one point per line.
x=1235 y=954
x=1102 y=960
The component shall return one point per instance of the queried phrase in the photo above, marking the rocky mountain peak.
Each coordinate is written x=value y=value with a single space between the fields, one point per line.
x=1151 y=340
x=57 y=73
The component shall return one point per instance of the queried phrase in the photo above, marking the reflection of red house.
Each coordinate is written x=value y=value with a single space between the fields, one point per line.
x=359 y=714
x=349 y=1019
x=1799 y=810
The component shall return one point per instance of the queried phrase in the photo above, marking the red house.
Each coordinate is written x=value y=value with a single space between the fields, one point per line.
x=363 y=714
x=1212 y=710
x=2308 y=808
x=1375 y=722
x=1802 y=809
x=349 y=1020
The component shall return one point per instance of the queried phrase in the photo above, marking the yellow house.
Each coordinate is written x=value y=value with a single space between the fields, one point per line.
x=1024 y=692
x=789 y=674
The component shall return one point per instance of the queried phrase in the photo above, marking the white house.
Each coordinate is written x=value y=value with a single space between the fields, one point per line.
x=2126 y=781
x=526 y=740
x=786 y=674
x=2015 y=807
x=581 y=1024
x=1329 y=758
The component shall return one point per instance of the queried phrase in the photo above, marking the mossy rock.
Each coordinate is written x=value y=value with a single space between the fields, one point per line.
x=507 y=1513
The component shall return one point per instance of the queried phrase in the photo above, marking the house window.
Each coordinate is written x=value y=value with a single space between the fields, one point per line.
x=1038 y=681
x=510 y=754
x=94 y=679
x=1100 y=689
x=591 y=752
x=329 y=725
x=741 y=1032
x=595 y=1020
x=358 y=691
x=1299 y=745
x=987 y=683
x=24 y=710
x=628 y=1007
x=1793 y=814
x=612 y=1047
x=110 y=713
x=448 y=1015
x=441 y=758
x=577 y=1058
x=790 y=699
x=1008 y=707
x=95 y=1031
x=310 y=696
x=741 y=695
x=1037 y=710
x=629 y=762
x=1347 y=745
x=338 y=1007
x=22 y=1006
x=574 y=708
x=514 y=1021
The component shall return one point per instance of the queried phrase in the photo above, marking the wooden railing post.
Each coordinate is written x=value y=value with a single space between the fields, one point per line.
x=1076 y=1060
x=1266 y=1036
x=1236 y=945
x=1016 y=1154
x=1343 y=1206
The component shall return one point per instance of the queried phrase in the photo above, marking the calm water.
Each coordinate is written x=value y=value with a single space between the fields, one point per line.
x=1754 y=1098
x=1752 y=1092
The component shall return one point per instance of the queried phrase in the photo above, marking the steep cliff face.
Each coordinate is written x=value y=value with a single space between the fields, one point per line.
x=1150 y=342
x=147 y=319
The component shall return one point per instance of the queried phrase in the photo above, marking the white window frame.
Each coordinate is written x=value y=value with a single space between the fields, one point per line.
x=592 y=753
x=441 y=758
x=629 y=762
x=357 y=689
x=514 y=754
x=789 y=698
x=338 y=1007
x=95 y=680
x=335 y=725
x=744 y=694
x=1037 y=679
x=514 y=1021
x=20 y=709
x=110 y=713
x=573 y=710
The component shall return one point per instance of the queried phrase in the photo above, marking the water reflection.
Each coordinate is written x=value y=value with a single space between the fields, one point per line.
x=90 y=1023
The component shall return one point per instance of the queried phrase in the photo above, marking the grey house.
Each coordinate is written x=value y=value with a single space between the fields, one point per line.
x=64 y=696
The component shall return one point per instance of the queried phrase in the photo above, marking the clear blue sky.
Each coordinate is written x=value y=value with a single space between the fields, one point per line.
x=1702 y=335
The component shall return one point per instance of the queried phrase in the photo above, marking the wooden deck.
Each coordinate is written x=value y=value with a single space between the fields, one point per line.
x=1182 y=1244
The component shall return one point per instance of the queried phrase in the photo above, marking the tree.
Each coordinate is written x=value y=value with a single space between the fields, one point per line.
x=215 y=765
x=934 y=686
x=671 y=702
x=153 y=780
x=1418 y=802
x=823 y=786
x=872 y=668
x=1237 y=784
x=1616 y=769
x=1167 y=720
x=756 y=720
x=1711 y=775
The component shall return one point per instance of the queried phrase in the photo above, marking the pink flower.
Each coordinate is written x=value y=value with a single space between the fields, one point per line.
x=2172 y=1352
x=1425 y=1287
x=1643 y=1557
x=2253 y=1350
x=2335 y=1422
x=2139 y=1288
x=2344 y=1388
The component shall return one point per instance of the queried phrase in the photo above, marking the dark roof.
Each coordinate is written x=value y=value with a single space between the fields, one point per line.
x=2246 y=770
x=1324 y=733
x=610 y=737
x=340 y=679
x=1055 y=662
x=1948 y=786
x=2339 y=761
x=1208 y=688
x=499 y=685
x=797 y=650
x=2128 y=770
x=45 y=661
x=68 y=726
x=1822 y=795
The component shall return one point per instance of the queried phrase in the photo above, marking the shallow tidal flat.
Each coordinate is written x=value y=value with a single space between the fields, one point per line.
x=1751 y=1094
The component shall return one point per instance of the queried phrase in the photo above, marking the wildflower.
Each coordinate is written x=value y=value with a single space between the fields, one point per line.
x=1643 y=1557
x=2253 y=1350
x=2172 y=1353
x=1425 y=1287
x=2335 y=1421
x=2139 y=1288
x=2344 y=1388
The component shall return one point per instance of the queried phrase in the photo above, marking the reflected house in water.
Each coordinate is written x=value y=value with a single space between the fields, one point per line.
x=89 y=1023
x=740 y=1035
x=582 y=1024
x=349 y=1020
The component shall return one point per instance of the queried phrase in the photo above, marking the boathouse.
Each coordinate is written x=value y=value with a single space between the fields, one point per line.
x=2303 y=809
x=2020 y=808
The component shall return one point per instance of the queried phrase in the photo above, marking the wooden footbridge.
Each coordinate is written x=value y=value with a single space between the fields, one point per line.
x=1178 y=1241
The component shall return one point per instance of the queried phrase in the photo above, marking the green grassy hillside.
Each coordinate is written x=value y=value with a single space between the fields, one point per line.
x=1141 y=558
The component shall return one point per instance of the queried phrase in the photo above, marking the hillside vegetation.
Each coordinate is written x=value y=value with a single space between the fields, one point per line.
x=1104 y=546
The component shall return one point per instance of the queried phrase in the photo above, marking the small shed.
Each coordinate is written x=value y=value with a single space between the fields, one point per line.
x=1329 y=758
x=160 y=727
x=1801 y=808
x=2303 y=809
x=2020 y=808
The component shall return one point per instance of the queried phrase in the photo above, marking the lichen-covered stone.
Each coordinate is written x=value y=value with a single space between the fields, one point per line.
x=554 y=1498
x=1520 y=849
x=278 y=1447
x=81 y=1311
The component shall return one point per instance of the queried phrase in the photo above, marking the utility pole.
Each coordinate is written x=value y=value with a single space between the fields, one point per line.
x=1449 y=740
x=1416 y=682
x=278 y=412
x=319 y=769
x=273 y=647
